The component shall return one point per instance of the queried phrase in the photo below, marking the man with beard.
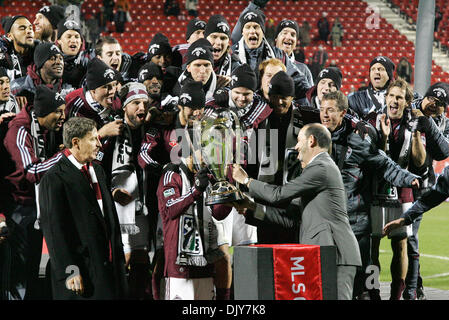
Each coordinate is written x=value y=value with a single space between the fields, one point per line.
x=372 y=99
x=16 y=48
x=47 y=69
x=401 y=132
x=217 y=32
x=253 y=48
x=46 y=22
x=286 y=38
x=129 y=187
x=150 y=75
x=33 y=145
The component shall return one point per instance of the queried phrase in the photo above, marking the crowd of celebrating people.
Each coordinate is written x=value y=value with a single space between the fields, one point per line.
x=98 y=160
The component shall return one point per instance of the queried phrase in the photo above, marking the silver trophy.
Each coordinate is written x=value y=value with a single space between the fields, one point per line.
x=217 y=138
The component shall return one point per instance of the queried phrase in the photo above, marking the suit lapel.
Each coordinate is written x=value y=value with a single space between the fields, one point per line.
x=75 y=177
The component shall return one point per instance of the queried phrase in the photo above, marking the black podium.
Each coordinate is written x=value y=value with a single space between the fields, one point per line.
x=254 y=273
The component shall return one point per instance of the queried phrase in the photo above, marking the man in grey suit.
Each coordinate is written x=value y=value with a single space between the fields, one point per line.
x=324 y=220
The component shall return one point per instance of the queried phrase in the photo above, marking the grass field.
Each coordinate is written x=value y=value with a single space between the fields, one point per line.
x=433 y=240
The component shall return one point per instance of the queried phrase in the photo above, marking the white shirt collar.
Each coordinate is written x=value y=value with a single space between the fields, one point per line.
x=75 y=162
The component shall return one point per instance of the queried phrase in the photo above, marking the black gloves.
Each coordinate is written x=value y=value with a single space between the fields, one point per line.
x=221 y=98
x=201 y=180
x=423 y=124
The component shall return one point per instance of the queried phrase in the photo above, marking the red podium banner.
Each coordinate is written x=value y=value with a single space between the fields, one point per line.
x=297 y=272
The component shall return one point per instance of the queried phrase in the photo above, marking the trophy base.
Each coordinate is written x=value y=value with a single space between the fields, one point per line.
x=223 y=192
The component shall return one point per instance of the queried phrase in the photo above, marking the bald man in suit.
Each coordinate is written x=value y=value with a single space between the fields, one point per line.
x=324 y=220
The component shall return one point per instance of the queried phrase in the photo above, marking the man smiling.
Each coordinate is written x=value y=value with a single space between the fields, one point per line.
x=46 y=22
x=253 y=48
x=48 y=69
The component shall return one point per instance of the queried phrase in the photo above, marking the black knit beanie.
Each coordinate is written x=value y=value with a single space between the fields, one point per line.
x=200 y=49
x=65 y=25
x=99 y=74
x=287 y=24
x=332 y=73
x=53 y=13
x=386 y=62
x=43 y=52
x=46 y=101
x=192 y=95
x=148 y=71
x=159 y=45
x=194 y=25
x=253 y=16
x=282 y=85
x=7 y=22
x=244 y=76
x=217 y=23
x=3 y=72
x=439 y=90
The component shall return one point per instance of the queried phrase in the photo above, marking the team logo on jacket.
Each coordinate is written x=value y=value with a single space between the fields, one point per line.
x=109 y=74
x=185 y=98
x=153 y=48
x=249 y=16
x=223 y=26
x=198 y=51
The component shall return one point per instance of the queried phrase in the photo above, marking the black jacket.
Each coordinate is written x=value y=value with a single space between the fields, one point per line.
x=359 y=162
x=77 y=234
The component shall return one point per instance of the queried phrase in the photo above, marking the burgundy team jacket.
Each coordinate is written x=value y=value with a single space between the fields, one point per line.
x=29 y=168
x=171 y=206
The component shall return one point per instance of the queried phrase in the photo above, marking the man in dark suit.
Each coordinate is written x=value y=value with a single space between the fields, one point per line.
x=79 y=221
x=324 y=220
